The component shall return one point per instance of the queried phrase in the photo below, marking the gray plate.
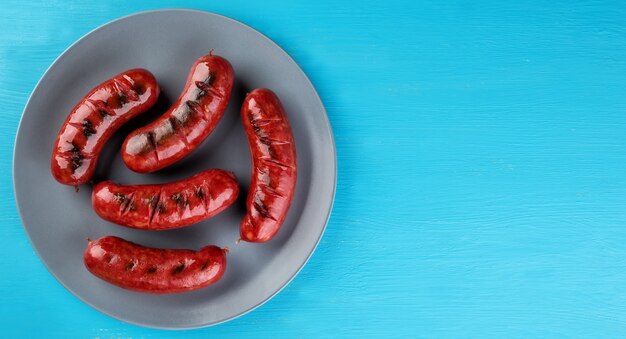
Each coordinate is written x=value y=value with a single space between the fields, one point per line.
x=58 y=220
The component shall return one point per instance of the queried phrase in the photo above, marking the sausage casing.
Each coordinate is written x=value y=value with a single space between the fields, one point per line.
x=153 y=270
x=166 y=206
x=95 y=118
x=187 y=123
x=274 y=171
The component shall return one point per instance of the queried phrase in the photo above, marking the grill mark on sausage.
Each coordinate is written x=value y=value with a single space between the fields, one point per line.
x=153 y=144
x=75 y=157
x=205 y=87
x=136 y=86
x=182 y=115
x=76 y=160
x=139 y=88
x=125 y=202
x=262 y=122
x=195 y=108
x=271 y=141
x=166 y=130
x=212 y=91
x=94 y=104
x=178 y=269
x=130 y=204
x=125 y=88
x=174 y=125
x=103 y=114
x=100 y=107
x=200 y=193
x=262 y=209
x=180 y=201
x=130 y=265
x=268 y=189
x=74 y=148
x=178 y=131
x=155 y=203
x=122 y=200
x=271 y=161
x=86 y=127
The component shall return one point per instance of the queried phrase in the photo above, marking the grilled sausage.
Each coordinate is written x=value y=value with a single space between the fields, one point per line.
x=95 y=118
x=274 y=172
x=166 y=206
x=153 y=270
x=187 y=123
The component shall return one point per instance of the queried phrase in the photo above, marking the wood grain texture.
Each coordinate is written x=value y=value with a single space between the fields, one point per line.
x=481 y=187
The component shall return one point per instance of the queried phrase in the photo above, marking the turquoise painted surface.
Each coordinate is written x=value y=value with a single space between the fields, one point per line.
x=481 y=152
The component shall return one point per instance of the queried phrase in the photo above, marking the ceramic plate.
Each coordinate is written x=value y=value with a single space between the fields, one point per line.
x=59 y=220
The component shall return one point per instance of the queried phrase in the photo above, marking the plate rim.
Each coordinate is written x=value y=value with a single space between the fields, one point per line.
x=327 y=124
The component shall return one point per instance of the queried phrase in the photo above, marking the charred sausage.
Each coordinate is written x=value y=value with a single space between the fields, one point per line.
x=187 y=123
x=95 y=118
x=166 y=206
x=273 y=152
x=153 y=270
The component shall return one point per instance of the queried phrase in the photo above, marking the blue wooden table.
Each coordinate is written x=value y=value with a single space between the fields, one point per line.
x=481 y=149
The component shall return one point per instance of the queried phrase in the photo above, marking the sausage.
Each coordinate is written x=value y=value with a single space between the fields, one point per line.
x=273 y=152
x=153 y=270
x=95 y=118
x=187 y=123
x=166 y=206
